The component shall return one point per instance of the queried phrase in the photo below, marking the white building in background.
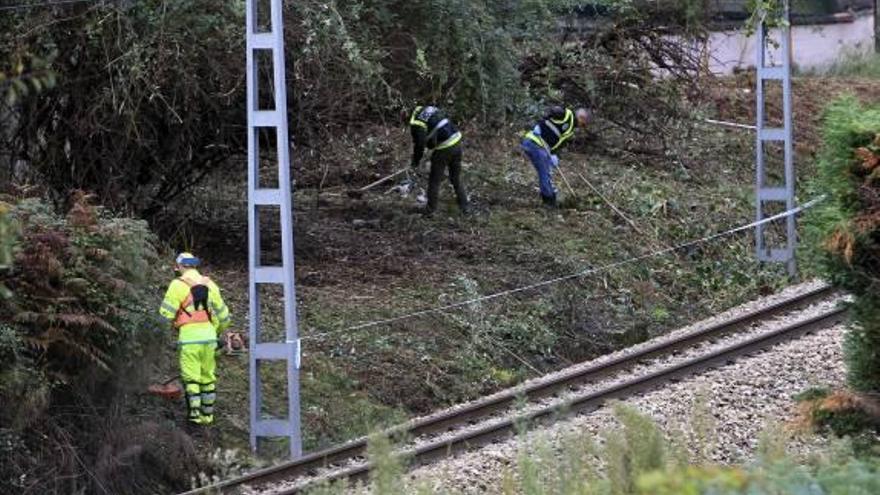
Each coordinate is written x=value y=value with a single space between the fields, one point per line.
x=815 y=46
x=823 y=31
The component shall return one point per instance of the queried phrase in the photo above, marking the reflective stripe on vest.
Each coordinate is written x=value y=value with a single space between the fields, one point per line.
x=185 y=315
x=553 y=125
x=203 y=341
x=414 y=119
x=452 y=141
x=435 y=129
x=569 y=131
x=537 y=140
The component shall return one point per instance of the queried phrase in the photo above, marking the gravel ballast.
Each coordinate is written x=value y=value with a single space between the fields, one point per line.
x=743 y=397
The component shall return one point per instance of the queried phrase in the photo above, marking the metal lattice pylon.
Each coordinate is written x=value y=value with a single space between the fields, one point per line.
x=783 y=193
x=269 y=40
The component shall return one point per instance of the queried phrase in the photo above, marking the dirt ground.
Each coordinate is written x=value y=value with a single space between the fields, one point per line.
x=376 y=257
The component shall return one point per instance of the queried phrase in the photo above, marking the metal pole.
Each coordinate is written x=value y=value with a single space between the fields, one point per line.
x=786 y=193
x=271 y=40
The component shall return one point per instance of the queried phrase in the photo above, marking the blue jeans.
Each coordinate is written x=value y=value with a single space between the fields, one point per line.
x=542 y=162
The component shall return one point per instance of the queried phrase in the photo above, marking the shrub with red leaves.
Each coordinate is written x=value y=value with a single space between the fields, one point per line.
x=76 y=342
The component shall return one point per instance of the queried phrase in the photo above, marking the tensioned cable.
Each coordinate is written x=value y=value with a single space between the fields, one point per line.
x=731 y=124
x=580 y=274
x=23 y=6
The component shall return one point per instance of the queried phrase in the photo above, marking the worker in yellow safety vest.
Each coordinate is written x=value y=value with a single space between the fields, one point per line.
x=541 y=145
x=432 y=129
x=195 y=309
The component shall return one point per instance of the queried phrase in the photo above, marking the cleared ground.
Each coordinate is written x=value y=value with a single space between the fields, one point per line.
x=372 y=258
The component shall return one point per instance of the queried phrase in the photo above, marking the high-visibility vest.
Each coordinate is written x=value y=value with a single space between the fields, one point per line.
x=187 y=312
x=440 y=131
x=554 y=132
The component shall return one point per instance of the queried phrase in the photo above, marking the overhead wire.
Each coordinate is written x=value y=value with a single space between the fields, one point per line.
x=571 y=276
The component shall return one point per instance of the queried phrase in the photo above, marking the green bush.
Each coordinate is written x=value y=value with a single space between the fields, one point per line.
x=844 y=231
x=139 y=99
x=126 y=88
x=77 y=339
x=385 y=56
x=78 y=285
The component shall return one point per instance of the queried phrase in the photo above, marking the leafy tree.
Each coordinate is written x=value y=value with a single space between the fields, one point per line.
x=148 y=97
x=25 y=76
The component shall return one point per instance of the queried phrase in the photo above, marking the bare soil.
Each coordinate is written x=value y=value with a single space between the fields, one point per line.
x=377 y=257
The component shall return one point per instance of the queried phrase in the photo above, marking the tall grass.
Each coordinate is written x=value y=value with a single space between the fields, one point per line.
x=851 y=63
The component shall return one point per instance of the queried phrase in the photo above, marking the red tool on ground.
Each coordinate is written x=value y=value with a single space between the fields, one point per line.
x=167 y=389
x=234 y=343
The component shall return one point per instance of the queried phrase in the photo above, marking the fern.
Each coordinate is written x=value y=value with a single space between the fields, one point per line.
x=70 y=276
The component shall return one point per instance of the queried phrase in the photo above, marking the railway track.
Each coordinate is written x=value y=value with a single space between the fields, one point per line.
x=466 y=417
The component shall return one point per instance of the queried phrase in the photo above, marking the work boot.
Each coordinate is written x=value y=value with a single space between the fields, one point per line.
x=550 y=202
x=193 y=427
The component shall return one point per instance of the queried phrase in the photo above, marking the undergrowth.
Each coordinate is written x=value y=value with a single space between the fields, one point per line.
x=77 y=339
x=374 y=258
x=843 y=233
x=843 y=414
x=853 y=64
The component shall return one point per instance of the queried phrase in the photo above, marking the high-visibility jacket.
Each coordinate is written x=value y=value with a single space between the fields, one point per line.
x=553 y=130
x=432 y=129
x=195 y=325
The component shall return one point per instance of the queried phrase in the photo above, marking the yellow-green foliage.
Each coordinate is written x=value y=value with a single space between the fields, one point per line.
x=693 y=480
x=388 y=472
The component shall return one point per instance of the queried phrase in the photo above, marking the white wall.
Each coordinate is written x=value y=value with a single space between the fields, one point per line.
x=815 y=47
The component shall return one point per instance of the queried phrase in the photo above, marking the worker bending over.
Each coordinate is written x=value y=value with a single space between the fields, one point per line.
x=195 y=309
x=432 y=129
x=542 y=142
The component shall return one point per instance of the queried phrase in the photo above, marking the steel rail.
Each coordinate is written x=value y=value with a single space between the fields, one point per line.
x=310 y=463
x=430 y=452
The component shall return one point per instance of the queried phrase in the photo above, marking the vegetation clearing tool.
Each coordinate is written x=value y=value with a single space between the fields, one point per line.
x=565 y=179
x=167 y=389
x=358 y=193
x=233 y=344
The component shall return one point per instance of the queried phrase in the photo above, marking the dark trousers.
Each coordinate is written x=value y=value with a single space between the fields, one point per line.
x=440 y=160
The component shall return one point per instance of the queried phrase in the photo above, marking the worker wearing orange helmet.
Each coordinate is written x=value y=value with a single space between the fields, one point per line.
x=194 y=307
